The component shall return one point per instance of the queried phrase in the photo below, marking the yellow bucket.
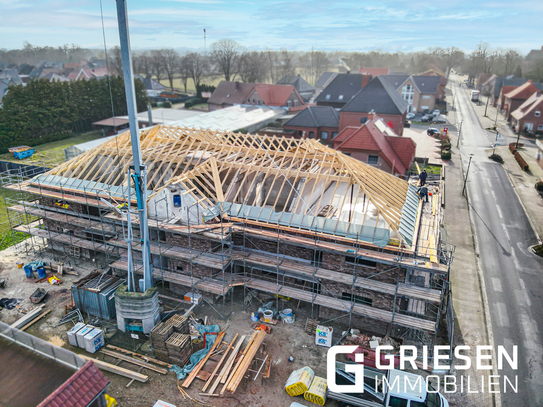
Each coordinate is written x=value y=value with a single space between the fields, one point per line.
x=20 y=264
x=317 y=391
x=110 y=401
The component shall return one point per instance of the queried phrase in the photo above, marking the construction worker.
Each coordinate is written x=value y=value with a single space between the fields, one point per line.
x=423 y=192
x=422 y=177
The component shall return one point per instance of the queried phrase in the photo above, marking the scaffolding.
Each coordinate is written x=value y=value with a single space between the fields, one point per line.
x=228 y=244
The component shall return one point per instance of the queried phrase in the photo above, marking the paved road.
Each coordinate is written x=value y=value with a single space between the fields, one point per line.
x=513 y=275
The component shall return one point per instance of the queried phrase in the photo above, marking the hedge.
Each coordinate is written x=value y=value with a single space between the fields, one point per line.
x=521 y=161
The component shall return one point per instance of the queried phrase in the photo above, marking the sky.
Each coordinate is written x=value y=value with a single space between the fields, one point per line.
x=327 y=25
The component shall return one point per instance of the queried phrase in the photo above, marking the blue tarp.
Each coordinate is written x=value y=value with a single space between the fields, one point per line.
x=182 y=372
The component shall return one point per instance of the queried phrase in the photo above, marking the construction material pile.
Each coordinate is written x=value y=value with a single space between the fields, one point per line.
x=303 y=381
x=179 y=349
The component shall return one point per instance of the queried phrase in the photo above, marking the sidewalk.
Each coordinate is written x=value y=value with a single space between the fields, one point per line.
x=523 y=183
x=467 y=292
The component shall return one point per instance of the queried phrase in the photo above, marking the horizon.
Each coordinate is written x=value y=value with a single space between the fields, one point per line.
x=389 y=26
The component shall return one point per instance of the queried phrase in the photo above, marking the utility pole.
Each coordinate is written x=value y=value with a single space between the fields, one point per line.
x=495 y=141
x=139 y=171
x=486 y=107
x=496 y=119
x=459 y=134
x=205 y=46
x=467 y=173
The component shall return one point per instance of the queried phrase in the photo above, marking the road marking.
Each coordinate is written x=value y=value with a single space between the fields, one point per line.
x=506 y=232
x=499 y=212
x=503 y=316
x=523 y=298
x=493 y=194
x=496 y=282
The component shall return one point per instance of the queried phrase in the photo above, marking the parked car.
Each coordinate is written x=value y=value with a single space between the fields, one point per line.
x=409 y=116
x=407 y=123
x=427 y=118
x=436 y=112
x=438 y=120
x=432 y=131
x=426 y=111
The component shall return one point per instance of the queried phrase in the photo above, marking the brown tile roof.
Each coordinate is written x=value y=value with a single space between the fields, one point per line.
x=231 y=93
x=80 y=389
x=275 y=95
x=530 y=105
x=523 y=91
x=374 y=71
x=397 y=151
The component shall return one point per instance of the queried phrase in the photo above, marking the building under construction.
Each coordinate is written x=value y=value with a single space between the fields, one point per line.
x=232 y=211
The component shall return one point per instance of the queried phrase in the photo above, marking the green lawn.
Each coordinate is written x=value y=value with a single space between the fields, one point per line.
x=7 y=239
x=52 y=154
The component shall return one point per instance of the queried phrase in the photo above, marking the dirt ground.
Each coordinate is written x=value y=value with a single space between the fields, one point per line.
x=286 y=340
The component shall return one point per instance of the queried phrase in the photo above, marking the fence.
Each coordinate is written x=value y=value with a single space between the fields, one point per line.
x=42 y=347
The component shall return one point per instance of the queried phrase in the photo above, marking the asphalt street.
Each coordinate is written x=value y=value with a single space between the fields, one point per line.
x=512 y=274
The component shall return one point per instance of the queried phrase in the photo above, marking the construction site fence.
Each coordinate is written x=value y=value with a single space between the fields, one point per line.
x=44 y=348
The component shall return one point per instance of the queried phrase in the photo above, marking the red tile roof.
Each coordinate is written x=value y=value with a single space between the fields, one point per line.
x=523 y=91
x=275 y=95
x=397 y=151
x=374 y=71
x=533 y=102
x=80 y=389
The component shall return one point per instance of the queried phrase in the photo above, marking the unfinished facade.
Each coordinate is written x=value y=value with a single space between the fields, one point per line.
x=228 y=211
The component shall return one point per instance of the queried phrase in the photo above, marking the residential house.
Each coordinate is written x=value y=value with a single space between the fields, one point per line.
x=11 y=73
x=4 y=84
x=228 y=94
x=153 y=88
x=92 y=73
x=318 y=122
x=323 y=81
x=517 y=97
x=376 y=144
x=374 y=71
x=285 y=96
x=305 y=90
x=51 y=77
x=379 y=97
x=488 y=85
x=534 y=55
x=503 y=85
x=436 y=72
x=342 y=89
x=528 y=116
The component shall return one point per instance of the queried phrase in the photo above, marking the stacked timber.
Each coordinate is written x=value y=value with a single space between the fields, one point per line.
x=159 y=335
x=180 y=324
x=179 y=348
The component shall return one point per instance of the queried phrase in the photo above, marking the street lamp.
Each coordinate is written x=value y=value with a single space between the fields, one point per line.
x=459 y=134
x=467 y=173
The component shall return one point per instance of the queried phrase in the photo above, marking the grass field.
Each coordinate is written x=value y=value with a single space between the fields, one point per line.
x=52 y=154
x=7 y=239
x=177 y=84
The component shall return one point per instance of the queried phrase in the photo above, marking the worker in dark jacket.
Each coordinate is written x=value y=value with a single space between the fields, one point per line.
x=423 y=192
x=422 y=177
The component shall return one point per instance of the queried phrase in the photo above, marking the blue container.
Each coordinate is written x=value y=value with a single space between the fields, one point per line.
x=177 y=201
x=23 y=154
x=28 y=272
x=255 y=317
x=41 y=272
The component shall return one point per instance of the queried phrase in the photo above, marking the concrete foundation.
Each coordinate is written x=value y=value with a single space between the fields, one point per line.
x=137 y=307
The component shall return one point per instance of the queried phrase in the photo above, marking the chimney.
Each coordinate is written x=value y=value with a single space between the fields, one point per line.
x=237 y=85
x=365 y=80
x=371 y=114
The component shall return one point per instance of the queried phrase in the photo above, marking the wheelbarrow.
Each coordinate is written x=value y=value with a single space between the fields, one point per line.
x=38 y=295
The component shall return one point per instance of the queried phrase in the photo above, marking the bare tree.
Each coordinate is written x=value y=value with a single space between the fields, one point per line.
x=170 y=58
x=115 y=59
x=157 y=64
x=273 y=65
x=142 y=64
x=253 y=67
x=226 y=54
x=184 y=71
x=286 y=63
x=198 y=67
x=453 y=57
x=511 y=59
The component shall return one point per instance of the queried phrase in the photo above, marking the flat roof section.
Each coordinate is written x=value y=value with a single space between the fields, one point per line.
x=31 y=378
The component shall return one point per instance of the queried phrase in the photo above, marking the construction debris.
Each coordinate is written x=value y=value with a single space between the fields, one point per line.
x=28 y=317
x=118 y=370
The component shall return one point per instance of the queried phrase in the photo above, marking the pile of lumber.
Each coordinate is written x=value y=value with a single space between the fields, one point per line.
x=311 y=326
x=32 y=316
x=179 y=348
x=232 y=367
x=180 y=324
